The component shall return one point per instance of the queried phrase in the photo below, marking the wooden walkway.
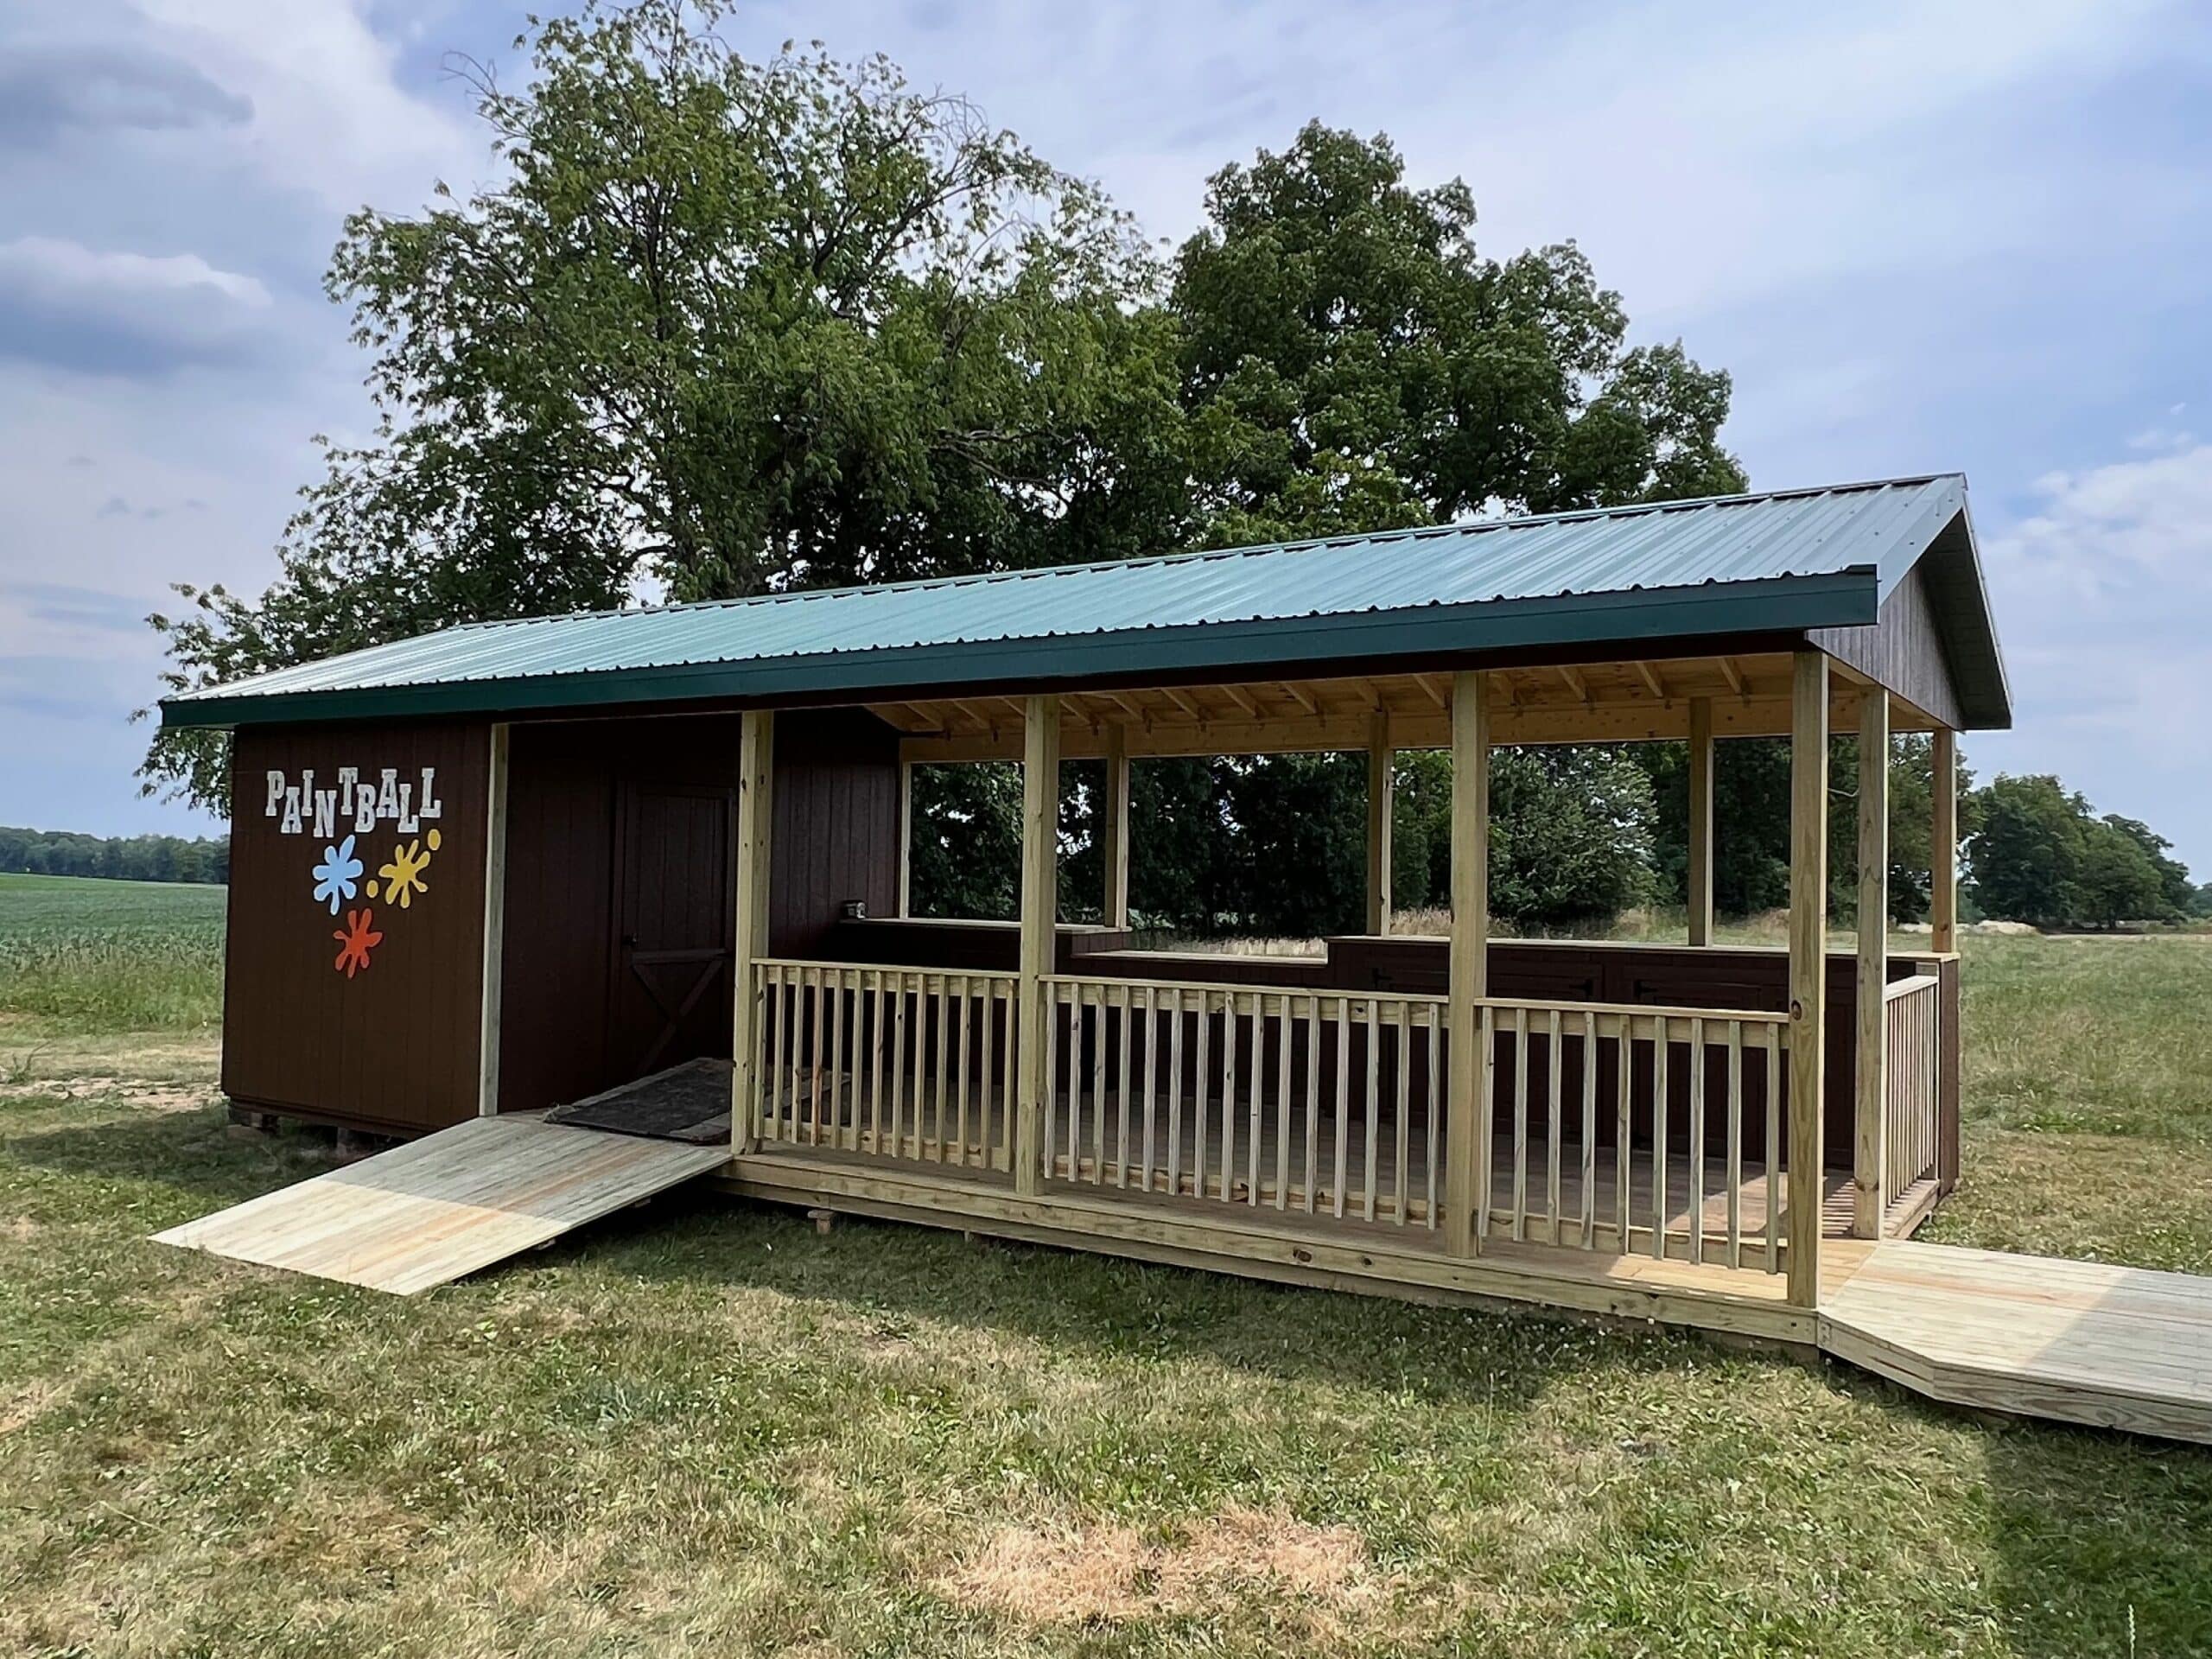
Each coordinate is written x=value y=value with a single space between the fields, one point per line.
x=2077 y=1341
x=447 y=1204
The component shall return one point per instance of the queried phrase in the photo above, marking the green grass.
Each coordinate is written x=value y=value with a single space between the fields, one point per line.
x=703 y=1429
x=92 y=956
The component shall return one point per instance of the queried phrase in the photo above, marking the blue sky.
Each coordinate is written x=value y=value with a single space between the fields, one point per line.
x=1921 y=237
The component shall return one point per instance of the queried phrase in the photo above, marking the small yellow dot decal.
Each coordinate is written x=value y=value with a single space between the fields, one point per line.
x=436 y=841
x=372 y=888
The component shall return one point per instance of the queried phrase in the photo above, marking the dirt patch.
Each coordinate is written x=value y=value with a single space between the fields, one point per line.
x=152 y=1096
x=1069 y=1574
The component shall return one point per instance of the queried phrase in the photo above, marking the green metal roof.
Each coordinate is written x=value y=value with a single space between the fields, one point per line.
x=1781 y=561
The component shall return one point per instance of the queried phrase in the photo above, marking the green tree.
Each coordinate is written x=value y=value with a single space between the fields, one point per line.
x=2116 y=880
x=722 y=327
x=1351 y=362
x=2176 y=893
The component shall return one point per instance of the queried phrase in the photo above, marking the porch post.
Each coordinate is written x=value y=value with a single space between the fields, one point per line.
x=1943 y=849
x=1808 y=887
x=756 y=785
x=1378 y=822
x=1700 y=870
x=1464 y=1132
x=1870 y=1196
x=495 y=925
x=1041 y=885
x=1114 y=826
x=906 y=838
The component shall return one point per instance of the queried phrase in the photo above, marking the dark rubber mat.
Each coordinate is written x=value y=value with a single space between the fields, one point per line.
x=685 y=1102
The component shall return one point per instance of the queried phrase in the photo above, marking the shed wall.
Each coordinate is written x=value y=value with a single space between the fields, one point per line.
x=392 y=1046
x=569 y=1014
x=1902 y=651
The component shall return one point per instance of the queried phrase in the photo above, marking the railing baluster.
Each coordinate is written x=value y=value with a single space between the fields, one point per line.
x=1554 y=1083
x=1175 y=1099
x=1486 y=1125
x=879 y=1041
x=773 y=1110
x=1256 y=1127
x=1119 y=1091
x=1435 y=1104
x=940 y=1061
x=1697 y=1140
x=1659 y=1058
x=1404 y=1148
x=1313 y=1103
x=1227 y=1096
x=1589 y=1129
x=1009 y=1058
x=1625 y=1132
x=1372 y=1121
x=1344 y=1103
x=1735 y=1143
x=1098 y=1092
x=1773 y=1157
x=838 y=1137
x=898 y=1073
x=1201 y=1114
x=1151 y=1076
x=966 y=1005
x=1283 y=1097
x=1520 y=1124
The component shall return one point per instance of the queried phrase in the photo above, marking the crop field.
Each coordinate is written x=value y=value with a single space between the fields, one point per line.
x=87 y=955
x=701 y=1428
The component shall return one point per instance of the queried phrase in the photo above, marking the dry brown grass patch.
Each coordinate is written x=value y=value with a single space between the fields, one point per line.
x=1064 y=1573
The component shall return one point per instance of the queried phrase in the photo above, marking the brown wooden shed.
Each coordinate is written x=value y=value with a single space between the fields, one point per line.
x=510 y=865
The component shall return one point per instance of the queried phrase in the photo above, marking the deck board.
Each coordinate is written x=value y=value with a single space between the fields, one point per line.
x=448 y=1205
x=2079 y=1341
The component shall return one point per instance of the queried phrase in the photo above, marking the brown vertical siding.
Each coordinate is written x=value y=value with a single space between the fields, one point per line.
x=569 y=1026
x=395 y=1046
x=836 y=835
x=1902 y=651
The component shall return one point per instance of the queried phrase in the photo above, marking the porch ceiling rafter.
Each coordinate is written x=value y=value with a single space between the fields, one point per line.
x=1630 y=700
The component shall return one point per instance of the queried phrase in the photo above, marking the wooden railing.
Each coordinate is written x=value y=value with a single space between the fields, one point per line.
x=1908 y=1139
x=1626 y=1130
x=906 y=1062
x=1313 y=1102
x=1612 y=1129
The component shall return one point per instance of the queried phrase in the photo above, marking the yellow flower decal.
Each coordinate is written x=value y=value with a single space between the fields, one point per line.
x=402 y=877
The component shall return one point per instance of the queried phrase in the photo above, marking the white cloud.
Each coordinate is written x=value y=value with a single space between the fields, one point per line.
x=118 y=312
x=53 y=266
x=330 y=118
x=2107 y=586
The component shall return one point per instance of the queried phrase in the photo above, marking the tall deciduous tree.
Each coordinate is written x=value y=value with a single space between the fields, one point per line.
x=722 y=327
x=1352 y=362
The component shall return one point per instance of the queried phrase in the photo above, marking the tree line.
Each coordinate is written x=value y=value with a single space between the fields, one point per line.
x=1276 y=846
x=123 y=858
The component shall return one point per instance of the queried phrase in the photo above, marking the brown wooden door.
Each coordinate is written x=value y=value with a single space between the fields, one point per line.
x=669 y=987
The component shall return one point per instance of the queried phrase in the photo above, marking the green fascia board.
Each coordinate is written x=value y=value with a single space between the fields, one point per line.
x=1631 y=618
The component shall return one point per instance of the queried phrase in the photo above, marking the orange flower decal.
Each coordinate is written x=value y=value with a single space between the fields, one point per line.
x=355 y=940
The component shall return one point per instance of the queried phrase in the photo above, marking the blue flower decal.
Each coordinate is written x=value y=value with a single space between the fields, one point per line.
x=336 y=876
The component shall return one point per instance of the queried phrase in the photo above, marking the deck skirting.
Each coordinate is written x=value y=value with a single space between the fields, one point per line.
x=1372 y=1261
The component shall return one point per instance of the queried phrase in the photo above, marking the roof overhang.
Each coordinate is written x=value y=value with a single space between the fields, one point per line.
x=1639 y=621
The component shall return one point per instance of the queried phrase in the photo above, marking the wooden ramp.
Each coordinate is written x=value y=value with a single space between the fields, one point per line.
x=447 y=1204
x=2114 y=1347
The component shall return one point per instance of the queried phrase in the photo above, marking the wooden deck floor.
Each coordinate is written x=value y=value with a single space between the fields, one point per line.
x=2077 y=1341
x=448 y=1203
